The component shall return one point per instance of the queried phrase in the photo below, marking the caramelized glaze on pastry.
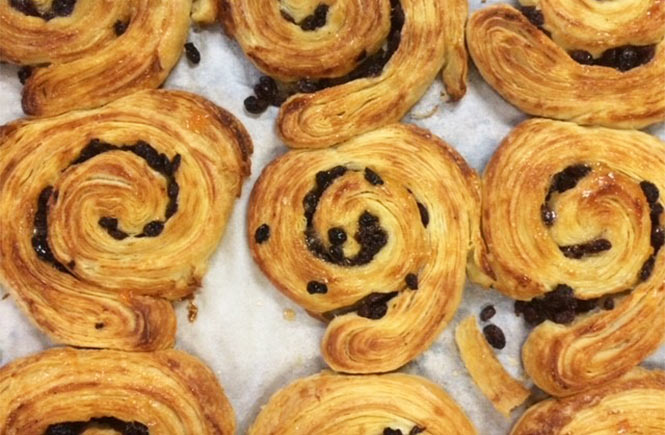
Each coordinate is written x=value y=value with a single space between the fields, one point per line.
x=87 y=53
x=69 y=391
x=387 y=404
x=633 y=404
x=109 y=214
x=537 y=74
x=292 y=40
x=373 y=236
x=575 y=214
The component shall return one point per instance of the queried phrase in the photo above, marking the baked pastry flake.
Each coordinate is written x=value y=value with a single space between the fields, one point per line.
x=386 y=404
x=107 y=215
x=372 y=236
x=573 y=227
x=72 y=391
x=86 y=53
x=341 y=41
x=563 y=77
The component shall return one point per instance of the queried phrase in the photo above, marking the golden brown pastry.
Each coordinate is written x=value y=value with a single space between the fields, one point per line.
x=107 y=215
x=69 y=391
x=492 y=379
x=341 y=41
x=393 y=404
x=633 y=404
x=572 y=218
x=372 y=236
x=603 y=65
x=87 y=53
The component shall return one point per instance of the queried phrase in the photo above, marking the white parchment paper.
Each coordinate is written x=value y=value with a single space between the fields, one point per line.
x=242 y=331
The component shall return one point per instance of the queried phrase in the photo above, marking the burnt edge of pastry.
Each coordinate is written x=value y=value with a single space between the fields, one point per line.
x=622 y=58
x=78 y=427
x=370 y=236
x=268 y=91
x=157 y=161
x=560 y=304
x=59 y=8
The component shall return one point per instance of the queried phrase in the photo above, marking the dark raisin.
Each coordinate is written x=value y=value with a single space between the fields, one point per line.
x=533 y=316
x=391 y=431
x=424 y=214
x=262 y=233
x=315 y=287
x=372 y=177
x=99 y=325
x=63 y=8
x=65 y=429
x=26 y=7
x=307 y=86
x=608 y=304
x=582 y=57
x=287 y=16
x=628 y=58
x=120 y=27
x=336 y=236
x=534 y=15
x=192 y=53
x=547 y=215
x=569 y=177
x=374 y=306
x=412 y=281
x=592 y=247
x=175 y=163
x=645 y=53
x=24 y=74
x=108 y=223
x=487 y=313
x=657 y=238
x=564 y=317
x=320 y=15
x=656 y=211
x=609 y=58
x=255 y=105
x=416 y=430
x=266 y=88
x=647 y=268
x=494 y=336
x=585 y=305
x=367 y=219
x=651 y=192
x=520 y=306
x=309 y=23
x=153 y=229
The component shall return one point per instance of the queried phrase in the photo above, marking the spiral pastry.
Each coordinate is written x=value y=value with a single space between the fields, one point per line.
x=393 y=404
x=366 y=86
x=69 y=391
x=87 y=53
x=109 y=214
x=372 y=236
x=587 y=61
x=573 y=216
x=633 y=404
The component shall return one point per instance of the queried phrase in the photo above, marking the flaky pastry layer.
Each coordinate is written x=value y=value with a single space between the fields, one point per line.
x=432 y=37
x=402 y=207
x=537 y=75
x=84 y=60
x=107 y=215
x=535 y=209
x=329 y=403
x=163 y=392
x=633 y=404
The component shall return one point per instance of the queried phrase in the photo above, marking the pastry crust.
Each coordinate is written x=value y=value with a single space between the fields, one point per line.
x=432 y=37
x=84 y=283
x=492 y=379
x=329 y=403
x=632 y=404
x=420 y=218
x=525 y=257
x=167 y=391
x=89 y=64
x=537 y=75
